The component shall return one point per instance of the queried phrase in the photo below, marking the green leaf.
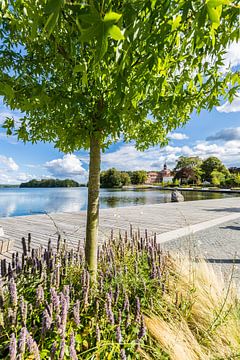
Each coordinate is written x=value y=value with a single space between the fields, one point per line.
x=90 y=33
x=214 y=13
x=79 y=68
x=115 y=32
x=6 y=90
x=90 y=18
x=176 y=22
x=53 y=8
x=112 y=17
x=215 y=3
x=102 y=47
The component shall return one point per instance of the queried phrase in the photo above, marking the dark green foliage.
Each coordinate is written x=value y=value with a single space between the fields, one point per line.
x=188 y=162
x=138 y=177
x=49 y=183
x=113 y=178
x=75 y=68
x=211 y=164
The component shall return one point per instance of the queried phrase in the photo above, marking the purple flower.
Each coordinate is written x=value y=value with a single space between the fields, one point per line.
x=64 y=313
x=13 y=347
x=46 y=322
x=126 y=305
x=53 y=350
x=118 y=335
x=39 y=295
x=116 y=294
x=98 y=335
x=22 y=341
x=137 y=310
x=62 y=349
x=23 y=307
x=142 y=331
x=66 y=292
x=73 y=354
x=128 y=320
x=123 y=355
x=32 y=347
x=108 y=308
x=154 y=271
x=13 y=292
x=12 y=316
x=55 y=300
x=76 y=310
x=119 y=316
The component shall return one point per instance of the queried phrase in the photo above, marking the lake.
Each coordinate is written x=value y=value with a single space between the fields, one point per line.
x=17 y=201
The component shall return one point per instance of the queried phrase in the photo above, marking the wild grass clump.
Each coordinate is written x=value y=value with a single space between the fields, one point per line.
x=145 y=304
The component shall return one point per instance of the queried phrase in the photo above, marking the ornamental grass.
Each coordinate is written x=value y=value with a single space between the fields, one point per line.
x=146 y=304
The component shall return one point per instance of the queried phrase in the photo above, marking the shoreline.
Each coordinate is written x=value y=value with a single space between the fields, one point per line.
x=213 y=190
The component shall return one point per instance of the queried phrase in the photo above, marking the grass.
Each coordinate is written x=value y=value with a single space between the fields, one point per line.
x=146 y=304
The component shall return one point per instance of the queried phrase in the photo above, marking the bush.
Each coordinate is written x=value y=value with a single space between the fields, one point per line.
x=144 y=305
x=111 y=178
x=138 y=177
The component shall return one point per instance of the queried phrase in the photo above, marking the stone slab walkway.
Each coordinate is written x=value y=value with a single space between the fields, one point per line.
x=163 y=219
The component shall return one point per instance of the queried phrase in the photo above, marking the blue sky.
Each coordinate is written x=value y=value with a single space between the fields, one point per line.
x=210 y=134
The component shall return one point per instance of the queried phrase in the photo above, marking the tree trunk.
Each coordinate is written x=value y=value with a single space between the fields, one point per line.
x=93 y=205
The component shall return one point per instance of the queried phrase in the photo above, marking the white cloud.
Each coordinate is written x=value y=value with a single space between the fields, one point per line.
x=68 y=166
x=233 y=107
x=177 y=136
x=232 y=57
x=128 y=158
x=7 y=163
x=10 y=172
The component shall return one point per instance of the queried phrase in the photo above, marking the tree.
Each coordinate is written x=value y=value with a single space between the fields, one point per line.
x=217 y=178
x=46 y=183
x=113 y=178
x=125 y=178
x=138 y=177
x=186 y=175
x=189 y=169
x=84 y=73
x=233 y=179
x=211 y=164
x=188 y=162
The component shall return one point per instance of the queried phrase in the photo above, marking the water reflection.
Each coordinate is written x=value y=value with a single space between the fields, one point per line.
x=14 y=201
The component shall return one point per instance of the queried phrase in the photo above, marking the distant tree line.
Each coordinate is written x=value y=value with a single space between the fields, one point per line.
x=194 y=170
x=112 y=178
x=49 y=183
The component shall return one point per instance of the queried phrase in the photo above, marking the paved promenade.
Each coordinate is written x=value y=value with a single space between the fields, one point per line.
x=169 y=221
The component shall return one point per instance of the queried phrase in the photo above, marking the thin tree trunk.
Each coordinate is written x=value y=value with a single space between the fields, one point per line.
x=93 y=205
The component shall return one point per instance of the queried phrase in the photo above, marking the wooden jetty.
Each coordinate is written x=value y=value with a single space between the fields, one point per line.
x=169 y=221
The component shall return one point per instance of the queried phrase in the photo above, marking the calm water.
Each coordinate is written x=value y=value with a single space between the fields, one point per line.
x=16 y=201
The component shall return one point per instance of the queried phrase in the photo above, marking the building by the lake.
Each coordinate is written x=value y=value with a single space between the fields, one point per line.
x=163 y=176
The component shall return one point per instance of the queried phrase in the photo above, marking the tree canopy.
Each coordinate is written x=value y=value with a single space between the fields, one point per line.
x=49 y=183
x=85 y=74
x=211 y=164
x=137 y=68
x=188 y=162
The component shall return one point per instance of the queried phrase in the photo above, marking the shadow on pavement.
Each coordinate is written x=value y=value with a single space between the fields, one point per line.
x=223 y=261
x=230 y=227
x=232 y=209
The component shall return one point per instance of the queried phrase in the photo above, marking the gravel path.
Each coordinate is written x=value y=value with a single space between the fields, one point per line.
x=219 y=245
